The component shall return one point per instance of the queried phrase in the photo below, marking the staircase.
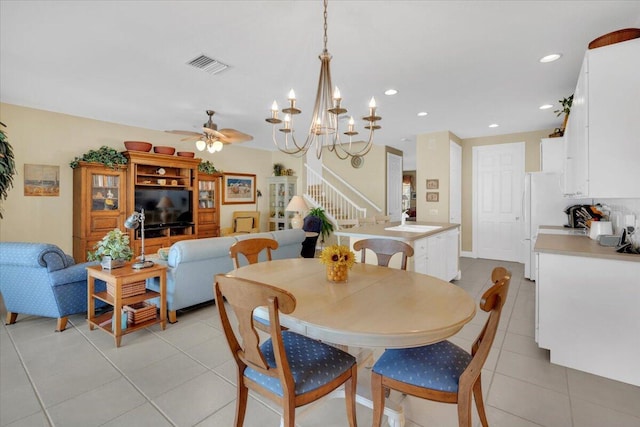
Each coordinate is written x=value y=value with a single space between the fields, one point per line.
x=340 y=209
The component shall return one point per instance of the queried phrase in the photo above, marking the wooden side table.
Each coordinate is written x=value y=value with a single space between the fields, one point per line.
x=117 y=278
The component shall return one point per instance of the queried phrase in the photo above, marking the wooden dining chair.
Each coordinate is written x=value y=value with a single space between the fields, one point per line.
x=384 y=250
x=443 y=372
x=251 y=249
x=288 y=368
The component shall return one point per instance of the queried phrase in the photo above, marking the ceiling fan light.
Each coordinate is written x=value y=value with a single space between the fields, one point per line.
x=200 y=145
x=211 y=148
x=217 y=146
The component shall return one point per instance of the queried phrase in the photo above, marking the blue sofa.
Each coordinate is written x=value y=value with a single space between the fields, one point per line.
x=40 y=279
x=193 y=264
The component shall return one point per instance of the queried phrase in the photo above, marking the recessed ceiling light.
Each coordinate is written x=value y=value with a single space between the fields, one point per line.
x=545 y=106
x=405 y=139
x=494 y=125
x=551 y=58
x=422 y=113
x=390 y=92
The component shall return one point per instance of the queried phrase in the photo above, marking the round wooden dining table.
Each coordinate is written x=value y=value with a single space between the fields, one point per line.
x=377 y=307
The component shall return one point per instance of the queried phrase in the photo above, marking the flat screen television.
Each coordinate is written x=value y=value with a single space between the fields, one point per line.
x=164 y=207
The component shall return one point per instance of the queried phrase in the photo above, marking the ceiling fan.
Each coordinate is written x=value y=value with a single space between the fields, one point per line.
x=211 y=138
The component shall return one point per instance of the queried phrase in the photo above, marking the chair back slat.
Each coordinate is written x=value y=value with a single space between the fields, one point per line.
x=244 y=296
x=384 y=250
x=251 y=249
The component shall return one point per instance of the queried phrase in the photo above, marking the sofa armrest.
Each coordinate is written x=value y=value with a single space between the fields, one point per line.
x=225 y=231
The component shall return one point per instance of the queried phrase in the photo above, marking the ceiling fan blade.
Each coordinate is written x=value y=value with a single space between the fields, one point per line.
x=213 y=133
x=233 y=135
x=193 y=138
x=183 y=132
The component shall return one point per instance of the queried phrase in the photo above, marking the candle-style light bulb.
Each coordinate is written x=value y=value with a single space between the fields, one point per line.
x=351 y=121
x=292 y=95
x=274 y=106
x=336 y=93
x=287 y=121
x=372 y=103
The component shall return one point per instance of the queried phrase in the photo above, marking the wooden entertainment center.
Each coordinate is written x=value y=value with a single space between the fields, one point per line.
x=180 y=203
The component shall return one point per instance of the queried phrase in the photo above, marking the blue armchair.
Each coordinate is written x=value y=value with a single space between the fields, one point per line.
x=40 y=279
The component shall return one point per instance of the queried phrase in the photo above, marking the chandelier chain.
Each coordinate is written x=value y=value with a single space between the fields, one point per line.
x=325 y=38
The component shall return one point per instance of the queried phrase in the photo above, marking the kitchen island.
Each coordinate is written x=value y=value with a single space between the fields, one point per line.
x=436 y=245
x=587 y=299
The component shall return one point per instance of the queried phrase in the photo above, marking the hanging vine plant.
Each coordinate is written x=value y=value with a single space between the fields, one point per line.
x=7 y=165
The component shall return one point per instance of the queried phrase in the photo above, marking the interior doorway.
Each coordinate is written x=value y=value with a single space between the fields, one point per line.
x=498 y=174
x=394 y=186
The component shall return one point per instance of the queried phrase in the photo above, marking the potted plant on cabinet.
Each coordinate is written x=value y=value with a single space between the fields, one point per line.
x=566 y=109
x=108 y=156
x=112 y=251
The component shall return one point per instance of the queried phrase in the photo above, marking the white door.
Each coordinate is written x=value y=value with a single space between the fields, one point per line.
x=455 y=183
x=498 y=173
x=394 y=186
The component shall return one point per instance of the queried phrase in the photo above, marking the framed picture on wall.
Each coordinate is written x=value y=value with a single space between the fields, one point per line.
x=433 y=196
x=238 y=188
x=41 y=180
x=433 y=184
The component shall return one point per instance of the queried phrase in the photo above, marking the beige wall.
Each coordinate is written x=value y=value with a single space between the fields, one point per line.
x=531 y=164
x=369 y=179
x=432 y=162
x=42 y=137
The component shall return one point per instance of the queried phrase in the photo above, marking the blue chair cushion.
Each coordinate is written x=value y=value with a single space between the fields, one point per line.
x=436 y=366
x=312 y=363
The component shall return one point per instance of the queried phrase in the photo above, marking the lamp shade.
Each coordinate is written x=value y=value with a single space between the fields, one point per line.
x=297 y=204
x=133 y=221
x=165 y=202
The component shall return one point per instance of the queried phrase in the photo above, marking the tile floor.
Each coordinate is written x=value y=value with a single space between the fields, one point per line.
x=183 y=376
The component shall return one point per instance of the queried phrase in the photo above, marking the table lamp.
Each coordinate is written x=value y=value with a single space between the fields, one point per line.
x=134 y=221
x=297 y=205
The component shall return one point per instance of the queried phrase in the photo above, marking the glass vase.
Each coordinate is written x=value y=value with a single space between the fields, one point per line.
x=337 y=273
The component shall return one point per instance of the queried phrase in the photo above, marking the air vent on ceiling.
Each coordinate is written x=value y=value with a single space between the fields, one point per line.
x=210 y=65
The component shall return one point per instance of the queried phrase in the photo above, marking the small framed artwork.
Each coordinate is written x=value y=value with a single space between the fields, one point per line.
x=433 y=196
x=41 y=180
x=413 y=195
x=433 y=184
x=238 y=188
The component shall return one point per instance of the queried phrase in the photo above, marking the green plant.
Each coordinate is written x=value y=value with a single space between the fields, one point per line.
x=327 y=226
x=114 y=244
x=206 y=166
x=277 y=169
x=566 y=106
x=7 y=165
x=108 y=156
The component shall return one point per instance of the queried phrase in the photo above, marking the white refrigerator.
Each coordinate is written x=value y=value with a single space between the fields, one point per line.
x=543 y=204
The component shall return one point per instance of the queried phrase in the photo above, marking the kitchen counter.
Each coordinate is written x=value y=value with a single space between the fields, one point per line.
x=436 y=252
x=378 y=230
x=579 y=246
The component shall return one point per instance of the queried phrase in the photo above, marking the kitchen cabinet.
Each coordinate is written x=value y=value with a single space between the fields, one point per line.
x=552 y=154
x=281 y=190
x=438 y=255
x=587 y=313
x=603 y=131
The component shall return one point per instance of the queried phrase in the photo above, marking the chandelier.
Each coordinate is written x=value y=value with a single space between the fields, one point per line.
x=324 y=129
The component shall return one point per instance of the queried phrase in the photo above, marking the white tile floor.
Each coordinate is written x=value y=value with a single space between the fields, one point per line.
x=183 y=376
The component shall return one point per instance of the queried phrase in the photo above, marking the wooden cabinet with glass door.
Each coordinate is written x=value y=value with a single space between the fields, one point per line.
x=281 y=190
x=208 y=205
x=98 y=205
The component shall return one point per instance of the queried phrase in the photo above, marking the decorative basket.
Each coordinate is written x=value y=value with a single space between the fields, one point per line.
x=128 y=290
x=140 y=312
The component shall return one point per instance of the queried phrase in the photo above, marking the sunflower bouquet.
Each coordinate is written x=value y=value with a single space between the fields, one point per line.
x=338 y=259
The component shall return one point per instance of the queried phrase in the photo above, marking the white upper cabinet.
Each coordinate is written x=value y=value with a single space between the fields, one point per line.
x=603 y=132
